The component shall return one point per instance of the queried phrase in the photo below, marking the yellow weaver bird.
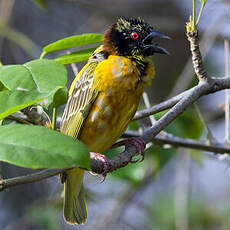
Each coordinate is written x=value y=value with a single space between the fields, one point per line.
x=104 y=97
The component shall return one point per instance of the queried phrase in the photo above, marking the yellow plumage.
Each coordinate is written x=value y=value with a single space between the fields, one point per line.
x=104 y=97
x=117 y=80
x=100 y=117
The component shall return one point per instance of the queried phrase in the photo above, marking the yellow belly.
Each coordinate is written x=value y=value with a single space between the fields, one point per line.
x=120 y=87
x=108 y=119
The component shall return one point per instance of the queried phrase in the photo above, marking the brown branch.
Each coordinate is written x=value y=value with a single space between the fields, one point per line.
x=184 y=142
x=44 y=174
x=160 y=107
x=193 y=144
x=196 y=56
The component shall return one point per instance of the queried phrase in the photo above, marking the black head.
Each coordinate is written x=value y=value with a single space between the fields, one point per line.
x=133 y=37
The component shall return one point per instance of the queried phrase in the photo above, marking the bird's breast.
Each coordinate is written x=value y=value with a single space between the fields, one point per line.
x=120 y=88
x=107 y=120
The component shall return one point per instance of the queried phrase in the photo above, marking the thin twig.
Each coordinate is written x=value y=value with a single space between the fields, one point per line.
x=193 y=14
x=184 y=142
x=74 y=69
x=44 y=174
x=151 y=117
x=210 y=136
x=148 y=106
x=227 y=114
x=160 y=107
x=200 y=13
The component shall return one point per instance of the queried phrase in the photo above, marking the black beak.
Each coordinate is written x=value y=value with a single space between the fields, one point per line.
x=149 y=48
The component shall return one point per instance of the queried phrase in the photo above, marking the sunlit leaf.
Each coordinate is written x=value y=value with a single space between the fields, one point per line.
x=30 y=83
x=73 y=41
x=79 y=56
x=39 y=147
x=60 y=97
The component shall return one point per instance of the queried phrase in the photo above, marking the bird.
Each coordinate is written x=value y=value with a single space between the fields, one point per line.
x=104 y=97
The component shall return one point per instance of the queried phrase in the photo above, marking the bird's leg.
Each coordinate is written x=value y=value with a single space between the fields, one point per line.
x=138 y=142
x=107 y=164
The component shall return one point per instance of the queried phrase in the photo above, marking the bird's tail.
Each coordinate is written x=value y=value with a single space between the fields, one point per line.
x=75 y=209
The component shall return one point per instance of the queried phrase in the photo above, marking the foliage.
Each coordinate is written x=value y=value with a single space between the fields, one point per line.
x=41 y=82
x=71 y=42
x=192 y=25
x=39 y=147
x=33 y=82
x=42 y=4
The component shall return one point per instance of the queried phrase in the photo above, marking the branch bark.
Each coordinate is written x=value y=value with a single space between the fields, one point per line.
x=220 y=148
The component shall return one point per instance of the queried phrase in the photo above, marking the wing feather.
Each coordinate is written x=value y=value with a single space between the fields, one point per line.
x=81 y=97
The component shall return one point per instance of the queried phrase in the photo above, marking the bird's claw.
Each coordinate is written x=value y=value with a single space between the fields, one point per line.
x=107 y=164
x=140 y=144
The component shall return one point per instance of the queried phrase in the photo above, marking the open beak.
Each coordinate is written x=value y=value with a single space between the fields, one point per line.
x=149 y=48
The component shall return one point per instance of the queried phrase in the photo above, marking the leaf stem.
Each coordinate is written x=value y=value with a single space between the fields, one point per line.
x=43 y=54
x=194 y=15
x=200 y=13
x=227 y=112
x=54 y=119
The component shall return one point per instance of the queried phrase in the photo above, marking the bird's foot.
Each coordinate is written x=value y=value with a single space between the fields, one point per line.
x=138 y=142
x=107 y=164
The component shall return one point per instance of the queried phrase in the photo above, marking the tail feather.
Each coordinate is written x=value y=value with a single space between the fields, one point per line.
x=75 y=210
x=80 y=210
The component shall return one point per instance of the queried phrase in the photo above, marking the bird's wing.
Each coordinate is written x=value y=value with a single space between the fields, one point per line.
x=81 y=97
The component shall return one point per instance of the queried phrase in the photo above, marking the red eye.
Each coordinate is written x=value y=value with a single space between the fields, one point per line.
x=134 y=35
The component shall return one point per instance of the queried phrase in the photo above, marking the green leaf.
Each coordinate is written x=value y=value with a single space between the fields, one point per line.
x=39 y=147
x=73 y=41
x=12 y=101
x=79 y=56
x=60 y=97
x=42 y=4
x=2 y=87
x=33 y=82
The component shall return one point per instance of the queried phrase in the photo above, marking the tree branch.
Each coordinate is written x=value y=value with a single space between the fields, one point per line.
x=184 y=142
x=196 y=57
x=160 y=107
x=44 y=174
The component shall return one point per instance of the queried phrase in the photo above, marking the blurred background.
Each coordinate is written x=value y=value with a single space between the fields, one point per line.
x=179 y=189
